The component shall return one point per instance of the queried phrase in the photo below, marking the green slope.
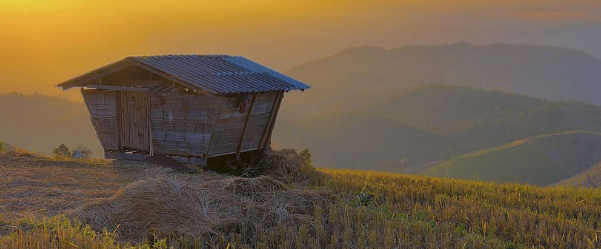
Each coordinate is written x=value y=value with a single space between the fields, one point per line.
x=417 y=125
x=359 y=141
x=541 y=160
x=589 y=178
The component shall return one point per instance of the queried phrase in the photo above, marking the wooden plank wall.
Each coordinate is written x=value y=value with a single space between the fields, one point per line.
x=188 y=124
x=230 y=124
x=182 y=123
x=134 y=116
x=103 y=110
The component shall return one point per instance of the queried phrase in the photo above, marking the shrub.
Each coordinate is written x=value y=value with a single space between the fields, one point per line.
x=62 y=151
x=2 y=148
x=306 y=154
x=86 y=153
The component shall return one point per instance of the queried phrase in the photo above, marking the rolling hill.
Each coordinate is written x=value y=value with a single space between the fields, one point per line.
x=541 y=160
x=349 y=78
x=41 y=123
x=590 y=178
x=361 y=141
x=428 y=123
x=404 y=127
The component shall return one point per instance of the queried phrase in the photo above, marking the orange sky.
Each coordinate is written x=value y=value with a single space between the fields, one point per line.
x=44 y=42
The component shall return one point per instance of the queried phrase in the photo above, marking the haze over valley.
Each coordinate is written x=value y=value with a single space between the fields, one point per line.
x=300 y=124
x=398 y=110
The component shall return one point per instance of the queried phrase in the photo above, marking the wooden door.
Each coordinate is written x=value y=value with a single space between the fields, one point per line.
x=134 y=121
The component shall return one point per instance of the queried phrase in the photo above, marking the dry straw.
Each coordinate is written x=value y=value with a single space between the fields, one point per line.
x=289 y=167
x=170 y=207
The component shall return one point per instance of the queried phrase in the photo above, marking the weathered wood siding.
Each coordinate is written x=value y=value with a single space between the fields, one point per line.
x=185 y=124
x=182 y=123
x=134 y=120
x=230 y=124
x=103 y=110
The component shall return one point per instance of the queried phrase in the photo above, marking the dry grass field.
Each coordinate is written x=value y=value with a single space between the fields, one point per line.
x=125 y=206
x=34 y=185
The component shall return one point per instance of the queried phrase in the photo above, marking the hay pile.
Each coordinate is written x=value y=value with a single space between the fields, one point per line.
x=166 y=206
x=287 y=166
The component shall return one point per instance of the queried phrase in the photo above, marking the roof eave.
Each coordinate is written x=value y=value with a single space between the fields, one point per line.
x=84 y=79
x=93 y=75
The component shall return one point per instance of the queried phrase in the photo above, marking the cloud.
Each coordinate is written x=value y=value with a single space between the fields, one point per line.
x=557 y=16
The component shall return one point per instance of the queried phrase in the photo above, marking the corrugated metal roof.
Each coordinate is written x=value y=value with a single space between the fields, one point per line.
x=221 y=74
x=217 y=74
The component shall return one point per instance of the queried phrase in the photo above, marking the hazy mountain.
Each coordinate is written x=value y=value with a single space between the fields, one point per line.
x=402 y=128
x=541 y=160
x=429 y=123
x=40 y=123
x=346 y=80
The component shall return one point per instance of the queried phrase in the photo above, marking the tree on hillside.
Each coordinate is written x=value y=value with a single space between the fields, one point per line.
x=62 y=151
x=2 y=148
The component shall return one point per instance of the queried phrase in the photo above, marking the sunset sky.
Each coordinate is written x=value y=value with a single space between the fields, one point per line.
x=45 y=42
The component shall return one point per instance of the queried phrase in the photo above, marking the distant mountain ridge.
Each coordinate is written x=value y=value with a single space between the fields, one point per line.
x=537 y=70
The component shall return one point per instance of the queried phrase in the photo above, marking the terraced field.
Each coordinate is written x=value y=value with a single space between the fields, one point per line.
x=541 y=160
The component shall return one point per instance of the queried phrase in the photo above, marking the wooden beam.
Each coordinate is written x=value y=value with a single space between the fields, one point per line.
x=150 y=123
x=118 y=122
x=250 y=109
x=167 y=76
x=85 y=78
x=231 y=153
x=267 y=138
x=136 y=82
x=212 y=139
x=271 y=117
x=118 y=88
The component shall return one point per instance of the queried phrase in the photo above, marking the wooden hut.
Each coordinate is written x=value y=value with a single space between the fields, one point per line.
x=189 y=107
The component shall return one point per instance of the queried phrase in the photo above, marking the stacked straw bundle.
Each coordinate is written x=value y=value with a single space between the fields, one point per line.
x=287 y=166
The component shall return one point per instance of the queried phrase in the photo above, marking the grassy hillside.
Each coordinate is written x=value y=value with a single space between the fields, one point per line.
x=350 y=76
x=428 y=123
x=370 y=210
x=541 y=160
x=41 y=123
x=589 y=178
x=359 y=140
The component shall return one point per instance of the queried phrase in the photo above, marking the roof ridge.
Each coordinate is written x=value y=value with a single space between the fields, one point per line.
x=227 y=73
x=183 y=55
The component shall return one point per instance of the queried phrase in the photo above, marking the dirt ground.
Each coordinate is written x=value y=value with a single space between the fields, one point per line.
x=32 y=185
